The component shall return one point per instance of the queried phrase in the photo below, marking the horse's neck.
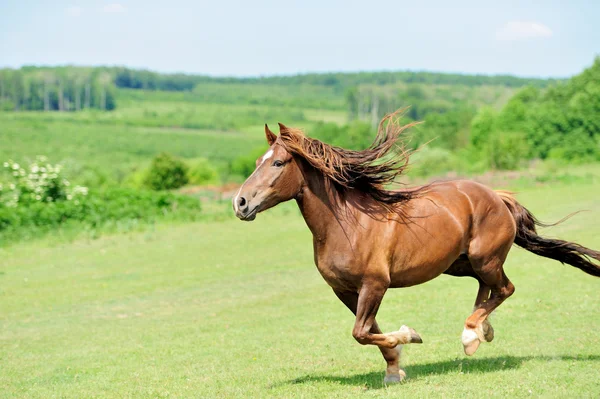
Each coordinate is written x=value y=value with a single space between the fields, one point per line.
x=320 y=204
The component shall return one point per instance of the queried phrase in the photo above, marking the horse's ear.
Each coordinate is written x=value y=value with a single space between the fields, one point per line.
x=270 y=135
x=282 y=128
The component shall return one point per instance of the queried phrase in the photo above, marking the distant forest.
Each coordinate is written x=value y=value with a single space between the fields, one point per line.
x=56 y=89
x=140 y=79
x=75 y=88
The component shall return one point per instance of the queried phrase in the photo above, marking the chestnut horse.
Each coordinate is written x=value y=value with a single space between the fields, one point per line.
x=368 y=238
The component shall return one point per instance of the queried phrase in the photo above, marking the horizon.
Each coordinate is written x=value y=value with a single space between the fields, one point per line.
x=324 y=72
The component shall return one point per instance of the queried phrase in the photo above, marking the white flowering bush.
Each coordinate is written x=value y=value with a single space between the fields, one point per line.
x=40 y=181
x=38 y=199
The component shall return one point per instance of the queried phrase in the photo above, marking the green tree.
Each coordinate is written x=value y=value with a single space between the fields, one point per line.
x=506 y=150
x=482 y=126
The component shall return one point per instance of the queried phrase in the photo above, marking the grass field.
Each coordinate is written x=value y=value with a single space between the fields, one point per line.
x=232 y=309
x=116 y=150
x=115 y=143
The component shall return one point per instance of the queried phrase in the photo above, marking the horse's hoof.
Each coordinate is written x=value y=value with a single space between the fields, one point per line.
x=394 y=378
x=471 y=347
x=488 y=331
x=470 y=341
x=414 y=337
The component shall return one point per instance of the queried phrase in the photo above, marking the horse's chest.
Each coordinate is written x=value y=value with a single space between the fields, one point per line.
x=339 y=268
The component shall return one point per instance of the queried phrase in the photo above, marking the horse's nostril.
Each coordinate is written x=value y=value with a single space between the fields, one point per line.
x=242 y=201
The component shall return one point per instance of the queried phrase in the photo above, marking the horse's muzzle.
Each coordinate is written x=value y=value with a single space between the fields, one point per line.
x=246 y=214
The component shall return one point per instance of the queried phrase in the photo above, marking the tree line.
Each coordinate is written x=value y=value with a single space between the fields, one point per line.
x=56 y=89
x=143 y=79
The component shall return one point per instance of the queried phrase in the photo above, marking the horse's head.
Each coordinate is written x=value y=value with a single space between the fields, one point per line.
x=277 y=178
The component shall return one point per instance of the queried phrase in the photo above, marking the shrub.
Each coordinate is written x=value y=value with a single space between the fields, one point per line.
x=97 y=209
x=166 y=172
x=40 y=181
x=38 y=198
x=201 y=171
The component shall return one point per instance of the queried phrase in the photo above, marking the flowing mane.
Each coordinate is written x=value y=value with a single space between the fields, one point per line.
x=369 y=170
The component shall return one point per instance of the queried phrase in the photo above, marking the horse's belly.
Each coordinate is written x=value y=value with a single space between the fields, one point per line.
x=425 y=256
x=419 y=273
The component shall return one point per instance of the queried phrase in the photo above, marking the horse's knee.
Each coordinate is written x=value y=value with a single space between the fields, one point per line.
x=502 y=293
x=360 y=335
x=508 y=290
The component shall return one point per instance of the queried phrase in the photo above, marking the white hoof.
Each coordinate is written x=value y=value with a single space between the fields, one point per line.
x=468 y=336
x=470 y=340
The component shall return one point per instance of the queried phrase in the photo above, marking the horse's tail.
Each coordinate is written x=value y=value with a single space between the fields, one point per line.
x=562 y=251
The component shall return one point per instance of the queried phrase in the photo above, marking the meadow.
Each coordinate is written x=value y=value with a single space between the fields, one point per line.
x=116 y=150
x=232 y=309
x=138 y=291
x=117 y=143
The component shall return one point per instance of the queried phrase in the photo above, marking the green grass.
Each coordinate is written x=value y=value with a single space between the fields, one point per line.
x=115 y=149
x=115 y=143
x=234 y=309
x=185 y=110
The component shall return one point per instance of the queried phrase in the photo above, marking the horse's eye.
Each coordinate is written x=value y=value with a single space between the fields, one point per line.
x=278 y=163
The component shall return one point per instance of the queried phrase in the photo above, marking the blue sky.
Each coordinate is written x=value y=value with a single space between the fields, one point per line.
x=248 y=38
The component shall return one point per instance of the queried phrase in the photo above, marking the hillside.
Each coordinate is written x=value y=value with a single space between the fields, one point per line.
x=115 y=120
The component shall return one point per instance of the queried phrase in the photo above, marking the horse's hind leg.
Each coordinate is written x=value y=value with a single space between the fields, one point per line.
x=492 y=282
x=462 y=268
x=483 y=294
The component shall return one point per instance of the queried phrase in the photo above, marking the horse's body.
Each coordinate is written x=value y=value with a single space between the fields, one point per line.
x=367 y=239
x=455 y=215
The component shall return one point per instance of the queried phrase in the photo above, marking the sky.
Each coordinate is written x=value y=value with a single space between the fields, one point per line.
x=257 y=37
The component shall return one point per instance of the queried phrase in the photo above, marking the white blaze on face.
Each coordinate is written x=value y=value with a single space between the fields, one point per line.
x=267 y=155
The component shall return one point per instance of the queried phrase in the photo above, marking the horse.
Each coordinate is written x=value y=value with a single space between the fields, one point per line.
x=369 y=237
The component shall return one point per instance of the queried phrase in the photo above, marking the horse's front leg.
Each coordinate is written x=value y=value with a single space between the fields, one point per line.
x=366 y=331
x=369 y=299
x=393 y=372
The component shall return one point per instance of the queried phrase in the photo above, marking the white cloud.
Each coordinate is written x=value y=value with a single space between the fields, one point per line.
x=114 y=8
x=74 y=11
x=519 y=30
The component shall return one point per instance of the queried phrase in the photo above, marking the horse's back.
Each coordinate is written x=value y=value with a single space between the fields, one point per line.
x=485 y=214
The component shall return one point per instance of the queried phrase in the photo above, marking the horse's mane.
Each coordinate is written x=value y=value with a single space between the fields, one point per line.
x=369 y=170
